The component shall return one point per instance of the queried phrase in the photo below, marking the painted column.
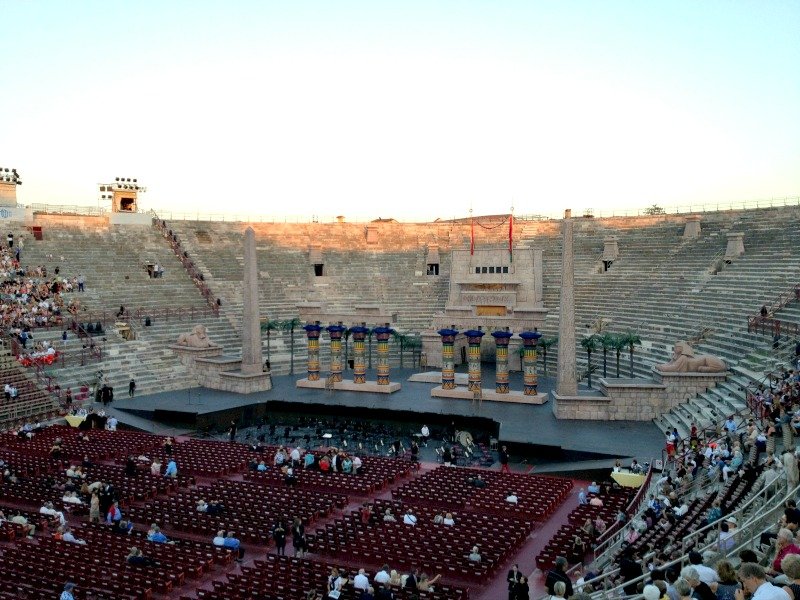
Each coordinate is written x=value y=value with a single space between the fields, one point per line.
x=336 y=331
x=359 y=364
x=312 y=332
x=501 y=339
x=474 y=358
x=448 y=358
x=382 y=334
x=529 y=377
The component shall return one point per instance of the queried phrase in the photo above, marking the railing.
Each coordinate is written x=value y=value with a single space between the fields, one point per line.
x=774 y=327
x=188 y=264
x=140 y=315
x=615 y=534
x=775 y=491
x=68 y=209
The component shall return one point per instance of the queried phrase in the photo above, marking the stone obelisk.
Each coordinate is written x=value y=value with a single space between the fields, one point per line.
x=251 y=327
x=567 y=371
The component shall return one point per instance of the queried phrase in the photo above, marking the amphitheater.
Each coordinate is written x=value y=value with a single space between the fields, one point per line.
x=661 y=287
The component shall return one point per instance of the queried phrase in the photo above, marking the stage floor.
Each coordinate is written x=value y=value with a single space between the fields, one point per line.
x=518 y=423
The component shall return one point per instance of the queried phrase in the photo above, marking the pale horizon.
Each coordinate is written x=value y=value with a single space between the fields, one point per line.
x=412 y=111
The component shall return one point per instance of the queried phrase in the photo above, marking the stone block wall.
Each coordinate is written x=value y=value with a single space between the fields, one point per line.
x=635 y=399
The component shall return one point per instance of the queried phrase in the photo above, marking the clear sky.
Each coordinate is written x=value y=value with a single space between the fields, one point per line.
x=412 y=109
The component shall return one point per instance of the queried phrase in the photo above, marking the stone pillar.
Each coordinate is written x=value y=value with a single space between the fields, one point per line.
x=312 y=332
x=538 y=280
x=692 y=228
x=735 y=245
x=501 y=339
x=567 y=384
x=530 y=378
x=382 y=334
x=448 y=358
x=359 y=364
x=252 y=362
x=474 y=358
x=610 y=248
x=335 y=332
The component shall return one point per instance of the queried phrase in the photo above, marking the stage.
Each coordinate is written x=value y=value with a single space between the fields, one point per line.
x=518 y=424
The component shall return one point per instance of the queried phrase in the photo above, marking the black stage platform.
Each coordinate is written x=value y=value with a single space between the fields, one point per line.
x=519 y=424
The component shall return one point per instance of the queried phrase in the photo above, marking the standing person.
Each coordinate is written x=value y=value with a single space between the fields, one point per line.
x=131 y=385
x=81 y=282
x=513 y=578
x=299 y=537
x=279 y=535
x=10 y=238
x=504 y=460
x=64 y=338
x=522 y=590
x=426 y=434
x=232 y=431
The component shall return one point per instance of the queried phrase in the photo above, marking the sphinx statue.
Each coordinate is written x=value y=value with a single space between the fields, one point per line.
x=684 y=360
x=198 y=338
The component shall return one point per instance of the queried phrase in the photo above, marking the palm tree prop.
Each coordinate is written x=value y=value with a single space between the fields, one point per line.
x=590 y=345
x=403 y=340
x=290 y=325
x=618 y=343
x=544 y=344
x=631 y=339
x=268 y=327
x=607 y=343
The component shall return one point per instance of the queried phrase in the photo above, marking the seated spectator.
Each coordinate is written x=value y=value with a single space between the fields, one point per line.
x=448 y=519
x=512 y=498
x=68 y=536
x=388 y=517
x=309 y=460
x=474 y=556
x=409 y=518
x=706 y=574
x=156 y=535
x=48 y=510
x=172 y=469
x=596 y=501
x=201 y=506
x=594 y=488
x=784 y=545
x=219 y=540
x=582 y=500
x=438 y=519
x=234 y=544
x=137 y=559
x=425 y=584
x=262 y=466
x=122 y=527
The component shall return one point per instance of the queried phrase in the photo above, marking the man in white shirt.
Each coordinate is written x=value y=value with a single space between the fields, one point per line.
x=219 y=540
x=706 y=574
x=361 y=581
x=295 y=456
x=426 y=433
x=382 y=576
x=409 y=518
x=512 y=498
x=70 y=537
x=755 y=583
x=111 y=424
x=48 y=510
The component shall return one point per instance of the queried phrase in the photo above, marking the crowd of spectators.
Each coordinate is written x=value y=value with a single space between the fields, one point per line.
x=32 y=296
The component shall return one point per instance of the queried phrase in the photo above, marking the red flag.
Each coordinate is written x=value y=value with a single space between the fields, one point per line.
x=472 y=236
x=511 y=237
